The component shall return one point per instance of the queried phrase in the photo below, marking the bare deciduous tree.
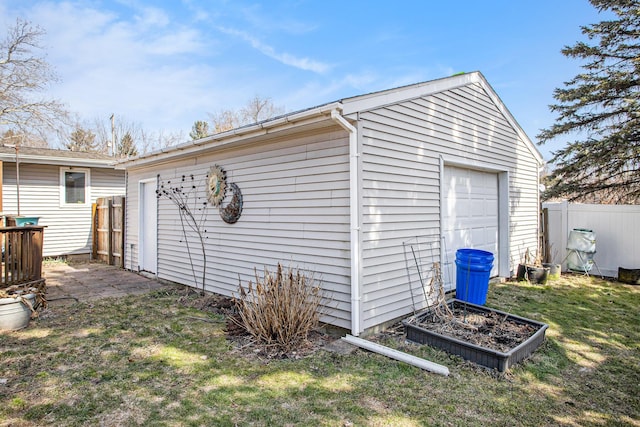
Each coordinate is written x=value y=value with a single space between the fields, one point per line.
x=24 y=139
x=152 y=141
x=143 y=140
x=23 y=77
x=257 y=109
x=224 y=120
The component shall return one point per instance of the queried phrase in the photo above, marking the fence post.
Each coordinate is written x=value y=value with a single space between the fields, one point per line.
x=564 y=229
x=110 y=232
x=94 y=230
x=122 y=229
x=38 y=238
x=545 y=235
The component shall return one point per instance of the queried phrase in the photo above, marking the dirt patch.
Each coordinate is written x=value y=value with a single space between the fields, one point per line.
x=211 y=303
x=488 y=329
x=216 y=304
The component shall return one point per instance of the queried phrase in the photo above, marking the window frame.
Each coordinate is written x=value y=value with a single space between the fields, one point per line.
x=63 y=187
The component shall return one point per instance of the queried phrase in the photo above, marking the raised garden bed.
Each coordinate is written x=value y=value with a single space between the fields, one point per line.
x=488 y=337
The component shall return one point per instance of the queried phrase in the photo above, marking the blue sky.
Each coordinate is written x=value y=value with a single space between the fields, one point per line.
x=167 y=64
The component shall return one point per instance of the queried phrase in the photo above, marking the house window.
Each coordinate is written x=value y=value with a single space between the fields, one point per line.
x=74 y=186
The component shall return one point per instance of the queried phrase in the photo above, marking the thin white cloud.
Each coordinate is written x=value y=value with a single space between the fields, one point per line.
x=353 y=84
x=150 y=17
x=199 y=13
x=320 y=91
x=138 y=65
x=147 y=66
x=306 y=64
x=271 y=18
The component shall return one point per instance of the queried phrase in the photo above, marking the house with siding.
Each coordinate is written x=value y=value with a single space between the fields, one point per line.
x=59 y=187
x=340 y=188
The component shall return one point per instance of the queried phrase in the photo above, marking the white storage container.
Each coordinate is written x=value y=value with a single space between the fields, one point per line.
x=582 y=240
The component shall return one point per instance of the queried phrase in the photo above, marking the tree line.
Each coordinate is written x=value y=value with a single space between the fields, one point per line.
x=28 y=118
x=599 y=108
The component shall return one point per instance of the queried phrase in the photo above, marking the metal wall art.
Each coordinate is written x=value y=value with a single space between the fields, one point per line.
x=217 y=190
x=217 y=185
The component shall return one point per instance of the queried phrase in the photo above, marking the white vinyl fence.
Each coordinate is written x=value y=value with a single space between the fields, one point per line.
x=616 y=227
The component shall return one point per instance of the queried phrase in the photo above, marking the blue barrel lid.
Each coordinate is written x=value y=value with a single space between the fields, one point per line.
x=474 y=255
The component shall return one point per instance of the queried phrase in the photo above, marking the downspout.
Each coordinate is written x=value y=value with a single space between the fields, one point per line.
x=354 y=197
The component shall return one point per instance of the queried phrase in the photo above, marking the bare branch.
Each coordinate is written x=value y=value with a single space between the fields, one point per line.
x=23 y=77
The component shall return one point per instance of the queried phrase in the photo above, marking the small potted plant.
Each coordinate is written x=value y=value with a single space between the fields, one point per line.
x=554 y=269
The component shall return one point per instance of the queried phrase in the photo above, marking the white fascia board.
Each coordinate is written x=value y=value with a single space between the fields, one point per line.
x=58 y=161
x=380 y=99
x=234 y=136
x=363 y=103
x=512 y=121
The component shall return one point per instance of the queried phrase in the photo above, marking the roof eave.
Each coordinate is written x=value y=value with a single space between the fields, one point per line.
x=512 y=120
x=234 y=136
x=58 y=161
x=363 y=103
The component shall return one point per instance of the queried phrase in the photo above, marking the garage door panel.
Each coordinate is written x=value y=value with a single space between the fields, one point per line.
x=482 y=236
x=490 y=209
x=470 y=215
x=463 y=209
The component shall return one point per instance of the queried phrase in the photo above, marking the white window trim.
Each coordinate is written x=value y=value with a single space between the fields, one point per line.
x=87 y=187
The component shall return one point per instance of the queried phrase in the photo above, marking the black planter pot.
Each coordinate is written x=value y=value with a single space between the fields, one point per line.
x=629 y=275
x=533 y=274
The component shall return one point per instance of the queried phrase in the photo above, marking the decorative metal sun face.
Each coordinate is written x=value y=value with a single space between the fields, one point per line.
x=217 y=185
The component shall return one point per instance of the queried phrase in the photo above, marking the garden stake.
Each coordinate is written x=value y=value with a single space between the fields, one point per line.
x=426 y=299
x=466 y=291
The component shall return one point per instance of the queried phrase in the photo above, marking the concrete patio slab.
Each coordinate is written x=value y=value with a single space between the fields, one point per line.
x=86 y=281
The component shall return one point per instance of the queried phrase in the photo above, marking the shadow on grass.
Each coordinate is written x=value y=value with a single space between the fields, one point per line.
x=592 y=350
x=146 y=360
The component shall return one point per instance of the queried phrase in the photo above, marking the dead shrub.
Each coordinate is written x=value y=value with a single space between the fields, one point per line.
x=281 y=309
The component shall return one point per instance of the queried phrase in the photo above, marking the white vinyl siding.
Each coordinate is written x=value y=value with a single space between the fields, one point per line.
x=68 y=227
x=402 y=146
x=294 y=176
x=295 y=211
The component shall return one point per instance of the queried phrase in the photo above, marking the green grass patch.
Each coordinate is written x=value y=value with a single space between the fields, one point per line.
x=145 y=360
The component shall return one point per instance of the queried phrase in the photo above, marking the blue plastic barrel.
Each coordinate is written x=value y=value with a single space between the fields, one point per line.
x=473 y=268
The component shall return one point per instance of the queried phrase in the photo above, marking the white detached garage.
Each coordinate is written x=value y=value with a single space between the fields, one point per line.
x=339 y=188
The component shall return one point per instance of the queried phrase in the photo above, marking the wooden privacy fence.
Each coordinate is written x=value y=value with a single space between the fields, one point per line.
x=21 y=256
x=108 y=230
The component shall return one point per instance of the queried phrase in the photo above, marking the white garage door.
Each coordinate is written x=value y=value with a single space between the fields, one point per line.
x=470 y=215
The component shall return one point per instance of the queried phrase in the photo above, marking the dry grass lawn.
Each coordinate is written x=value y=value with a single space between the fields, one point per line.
x=147 y=360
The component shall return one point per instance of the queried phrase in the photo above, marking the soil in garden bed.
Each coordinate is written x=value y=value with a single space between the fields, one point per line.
x=488 y=329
